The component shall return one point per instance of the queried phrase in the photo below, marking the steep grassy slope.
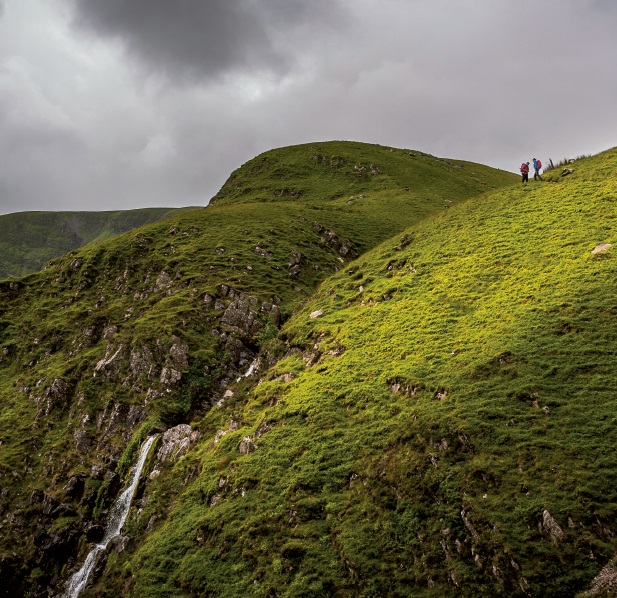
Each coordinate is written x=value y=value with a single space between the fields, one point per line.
x=150 y=329
x=439 y=421
x=30 y=239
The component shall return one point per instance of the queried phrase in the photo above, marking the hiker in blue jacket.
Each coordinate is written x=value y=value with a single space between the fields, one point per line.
x=536 y=169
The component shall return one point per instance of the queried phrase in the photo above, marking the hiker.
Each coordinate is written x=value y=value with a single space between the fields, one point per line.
x=525 y=171
x=536 y=168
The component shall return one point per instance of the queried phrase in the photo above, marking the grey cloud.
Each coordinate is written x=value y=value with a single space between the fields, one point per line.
x=203 y=39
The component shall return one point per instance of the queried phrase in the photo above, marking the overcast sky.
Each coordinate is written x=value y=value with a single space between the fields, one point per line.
x=119 y=104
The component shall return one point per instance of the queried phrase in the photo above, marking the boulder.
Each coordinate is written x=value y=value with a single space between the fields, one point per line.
x=74 y=487
x=550 y=527
x=95 y=533
x=601 y=248
x=176 y=442
x=247 y=446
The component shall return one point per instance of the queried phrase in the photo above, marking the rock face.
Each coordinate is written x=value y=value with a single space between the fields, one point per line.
x=549 y=526
x=176 y=442
x=605 y=582
x=240 y=317
x=107 y=367
x=56 y=395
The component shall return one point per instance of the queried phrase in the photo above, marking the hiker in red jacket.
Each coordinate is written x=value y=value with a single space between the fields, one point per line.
x=525 y=172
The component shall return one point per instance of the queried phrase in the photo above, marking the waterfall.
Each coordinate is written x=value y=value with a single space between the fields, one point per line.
x=117 y=517
x=249 y=371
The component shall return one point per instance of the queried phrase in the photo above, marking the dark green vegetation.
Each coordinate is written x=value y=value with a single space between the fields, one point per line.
x=436 y=418
x=30 y=239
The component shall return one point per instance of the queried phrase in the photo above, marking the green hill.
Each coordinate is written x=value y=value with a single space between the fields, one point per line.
x=429 y=408
x=30 y=239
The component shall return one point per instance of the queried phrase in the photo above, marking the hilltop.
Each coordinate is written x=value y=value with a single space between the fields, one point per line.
x=399 y=380
x=31 y=239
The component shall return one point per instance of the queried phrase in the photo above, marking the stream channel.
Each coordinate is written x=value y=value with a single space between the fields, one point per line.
x=117 y=517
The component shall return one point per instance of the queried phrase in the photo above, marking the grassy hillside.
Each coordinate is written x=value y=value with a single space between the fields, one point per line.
x=153 y=328
x=438 y=420
x=345 y=170
x=30 y=239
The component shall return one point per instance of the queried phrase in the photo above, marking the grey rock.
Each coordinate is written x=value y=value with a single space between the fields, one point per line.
x=163 y=281
x=178 y=354
x=549 y=526
x=247 y=446
x=110 y=365
x=170 y=377
x=176 y=442
x=142 y=362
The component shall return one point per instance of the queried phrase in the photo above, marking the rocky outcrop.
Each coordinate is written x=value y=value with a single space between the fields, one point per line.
x=329 y=238
x=56 y=395
x=247 y=446
x=550 y=527
x=107 y=367
x=176 y=442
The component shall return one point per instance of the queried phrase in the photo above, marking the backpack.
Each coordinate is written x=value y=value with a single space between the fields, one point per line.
x=539 y=165
x=524 y=167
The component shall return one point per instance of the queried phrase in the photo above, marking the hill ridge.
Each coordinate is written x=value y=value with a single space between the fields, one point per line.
x=30 y=239
x=425 y=418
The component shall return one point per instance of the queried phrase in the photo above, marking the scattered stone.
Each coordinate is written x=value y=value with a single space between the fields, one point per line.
x=170 y=377
x=601 y=248
x=262 y=252
x=151 y=522
x=233 y=426
x=119 y=544
x=178 y=354
x=605 y=582
x=163 y=281
x=316 y=314
x=55 y=395
x=567 y=171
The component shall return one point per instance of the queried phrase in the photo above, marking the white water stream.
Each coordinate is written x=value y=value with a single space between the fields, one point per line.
x=249 y=371
x=117 y=517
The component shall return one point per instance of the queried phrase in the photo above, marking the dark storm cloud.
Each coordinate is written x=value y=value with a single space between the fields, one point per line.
x=86 y=122
x=202 y=39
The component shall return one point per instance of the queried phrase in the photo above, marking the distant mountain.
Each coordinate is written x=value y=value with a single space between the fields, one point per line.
x=369 y=372
x=28 y=240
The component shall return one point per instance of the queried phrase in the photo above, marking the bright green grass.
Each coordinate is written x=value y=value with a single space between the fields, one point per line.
x=501 y=328
x=52 y=322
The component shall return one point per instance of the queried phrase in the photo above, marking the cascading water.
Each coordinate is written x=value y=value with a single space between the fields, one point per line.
x=117 y=517
x=249 y=371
